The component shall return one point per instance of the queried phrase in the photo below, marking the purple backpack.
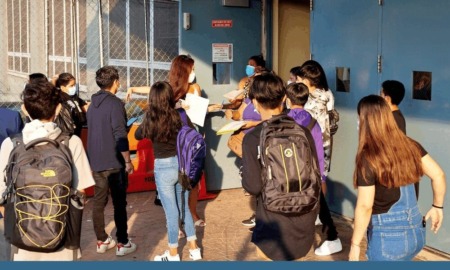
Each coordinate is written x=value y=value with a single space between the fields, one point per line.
x=191 y=151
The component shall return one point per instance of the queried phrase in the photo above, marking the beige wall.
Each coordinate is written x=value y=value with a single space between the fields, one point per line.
x=291 y=35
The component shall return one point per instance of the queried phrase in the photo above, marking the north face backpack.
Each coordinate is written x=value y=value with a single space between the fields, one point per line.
x=191 y=152
x=290 y=168
x=38 y=180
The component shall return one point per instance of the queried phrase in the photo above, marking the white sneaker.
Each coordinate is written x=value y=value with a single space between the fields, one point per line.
x=195 y=254
x=318 y=222
x=123 y=250
x=109 y=243
x=329 y=247
x=166 y=257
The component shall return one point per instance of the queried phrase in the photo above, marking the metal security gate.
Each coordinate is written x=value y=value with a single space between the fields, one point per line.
x=139 y=37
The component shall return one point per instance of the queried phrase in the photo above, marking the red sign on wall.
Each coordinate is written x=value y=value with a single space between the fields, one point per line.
x=222 y=23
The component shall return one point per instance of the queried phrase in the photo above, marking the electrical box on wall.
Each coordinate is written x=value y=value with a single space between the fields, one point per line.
x=186 y=21
x=236 y=3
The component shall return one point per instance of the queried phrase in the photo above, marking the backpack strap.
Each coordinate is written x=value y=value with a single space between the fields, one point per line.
x=17 y=139
x=64 y=138
x=311 y=124
x=183 y=116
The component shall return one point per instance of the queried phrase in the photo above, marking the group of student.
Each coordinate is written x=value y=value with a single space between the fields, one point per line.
x=388 y=163
x=108 y=162
x=307 y=96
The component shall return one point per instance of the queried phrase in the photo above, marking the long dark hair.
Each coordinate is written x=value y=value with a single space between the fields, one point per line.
x=64 y=79
x=314 y=72
x=162 y=121
x=383 y=148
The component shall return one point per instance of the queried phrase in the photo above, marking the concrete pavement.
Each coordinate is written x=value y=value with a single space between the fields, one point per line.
x=222 y=239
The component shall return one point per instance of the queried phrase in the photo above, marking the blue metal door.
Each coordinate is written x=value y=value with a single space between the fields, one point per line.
x=405 y=37
x=344 y=33
x=416 y=37
x=243 y=31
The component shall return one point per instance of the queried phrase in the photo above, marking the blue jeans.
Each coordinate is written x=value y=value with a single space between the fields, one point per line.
x=169 y=191
x=399 y=234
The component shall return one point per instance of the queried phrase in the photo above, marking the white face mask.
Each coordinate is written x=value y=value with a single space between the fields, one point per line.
x=72 y=90
x=191 y=77
x=288 y=104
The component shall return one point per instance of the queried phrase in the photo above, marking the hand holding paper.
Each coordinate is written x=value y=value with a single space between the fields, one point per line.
x=231 y=127
x=197 y=108
x=232 y=95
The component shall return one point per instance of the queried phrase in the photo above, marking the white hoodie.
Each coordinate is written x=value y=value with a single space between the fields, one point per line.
x=82 y=177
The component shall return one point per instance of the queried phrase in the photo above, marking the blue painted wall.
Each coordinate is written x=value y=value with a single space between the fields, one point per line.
x=245 y=35
x=408 y=36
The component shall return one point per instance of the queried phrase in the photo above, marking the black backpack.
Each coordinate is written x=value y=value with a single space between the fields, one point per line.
x=39 y=181
x=290 y=168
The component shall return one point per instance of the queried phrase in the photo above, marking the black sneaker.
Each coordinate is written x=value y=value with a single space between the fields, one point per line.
x=249 y=222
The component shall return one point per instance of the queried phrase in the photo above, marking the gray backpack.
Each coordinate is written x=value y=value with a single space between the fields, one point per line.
x=290 y=168
x=39 y=181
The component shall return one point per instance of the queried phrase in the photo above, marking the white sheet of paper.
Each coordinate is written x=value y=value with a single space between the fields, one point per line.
x=232 y=95
x=198 y=107
x=231 y=127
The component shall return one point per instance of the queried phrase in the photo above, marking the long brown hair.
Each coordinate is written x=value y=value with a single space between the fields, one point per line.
x=162 y=121
x=383 y=148
x=179 y=75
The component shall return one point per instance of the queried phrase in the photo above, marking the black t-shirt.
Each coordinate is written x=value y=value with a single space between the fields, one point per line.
x=162 y=149
x=400 y=120
x=384 y=197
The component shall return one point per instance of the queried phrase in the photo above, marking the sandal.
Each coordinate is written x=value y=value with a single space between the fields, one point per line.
x=200 y=223
x=181 y=234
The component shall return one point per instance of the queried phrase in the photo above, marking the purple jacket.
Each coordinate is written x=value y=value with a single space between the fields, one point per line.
x=303 y=118
x=250 y=114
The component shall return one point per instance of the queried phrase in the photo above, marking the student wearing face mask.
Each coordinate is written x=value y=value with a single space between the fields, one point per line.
x=242 y=108
x=182 y=81
x=71 y=101
x=255 y=66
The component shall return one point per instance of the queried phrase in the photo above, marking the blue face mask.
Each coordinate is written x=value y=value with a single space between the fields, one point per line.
x=249 y=70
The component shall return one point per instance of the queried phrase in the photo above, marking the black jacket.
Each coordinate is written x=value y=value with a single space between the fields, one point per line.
x=107 y=132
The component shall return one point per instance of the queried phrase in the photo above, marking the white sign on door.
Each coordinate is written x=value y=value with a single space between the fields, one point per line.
x=222 y=52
